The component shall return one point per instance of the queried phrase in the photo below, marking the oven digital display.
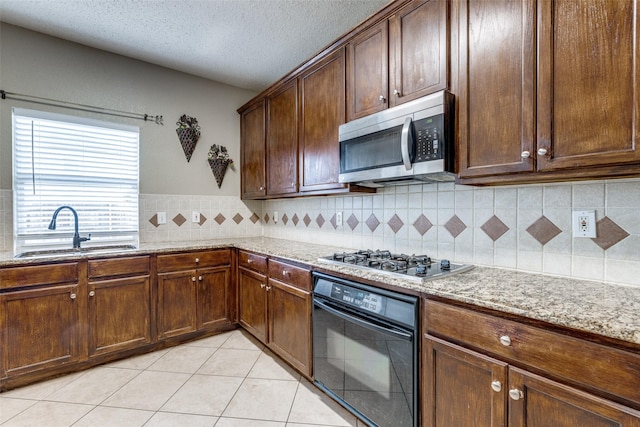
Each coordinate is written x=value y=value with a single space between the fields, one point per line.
x=364 y=300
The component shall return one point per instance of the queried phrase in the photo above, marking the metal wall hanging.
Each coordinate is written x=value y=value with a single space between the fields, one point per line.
x=219 y=161
x=188 y=133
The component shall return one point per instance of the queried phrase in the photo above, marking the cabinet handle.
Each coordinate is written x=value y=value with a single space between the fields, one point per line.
x=525 y=154
x=496 y=386
x=505 y=340
x=516 y=394
x=197 y=260
x=542 y=151
x=193 y=279
x=396 y=92
x=92 y=293
x=72 y=296
x=262 y=285
x=381 y=98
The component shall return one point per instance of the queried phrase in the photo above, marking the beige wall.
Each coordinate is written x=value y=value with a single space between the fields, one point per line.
x=39 y=65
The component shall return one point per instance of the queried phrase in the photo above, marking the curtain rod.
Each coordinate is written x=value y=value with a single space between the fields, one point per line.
x=81 y=107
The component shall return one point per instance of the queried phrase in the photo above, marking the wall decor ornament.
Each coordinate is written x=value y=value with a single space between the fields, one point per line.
x=188 y=133
x=219 y=160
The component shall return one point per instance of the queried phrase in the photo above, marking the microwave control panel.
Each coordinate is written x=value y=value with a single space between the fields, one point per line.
x=429 y=137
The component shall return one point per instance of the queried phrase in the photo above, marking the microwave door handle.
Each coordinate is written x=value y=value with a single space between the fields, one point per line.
x=404 y=143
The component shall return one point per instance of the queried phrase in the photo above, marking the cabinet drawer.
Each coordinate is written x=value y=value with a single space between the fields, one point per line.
x=287 y=273
x=583 y=363
x=252 y=261
x=130 y=266
x=38 y=275
x=190 y=260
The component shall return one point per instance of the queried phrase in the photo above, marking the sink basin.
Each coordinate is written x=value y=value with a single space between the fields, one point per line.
x=72 y=251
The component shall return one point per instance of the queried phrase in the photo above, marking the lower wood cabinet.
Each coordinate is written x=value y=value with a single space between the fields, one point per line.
x=464 y=387
x=39 y=318
x=119 y=293
x=275 y=306
x=193 y=291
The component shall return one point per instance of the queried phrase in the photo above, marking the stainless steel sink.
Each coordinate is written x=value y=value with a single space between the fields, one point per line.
x=72 y=251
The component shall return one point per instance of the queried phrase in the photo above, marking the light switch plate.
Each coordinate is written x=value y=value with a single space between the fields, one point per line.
x=162 y=217
x=584 y=224
x=275 y=217
x=339 y=218
x=195 y=216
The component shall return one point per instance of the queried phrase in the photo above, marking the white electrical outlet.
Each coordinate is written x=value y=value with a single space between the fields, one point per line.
x=584 y=224
x=162 y=217
x=339 y=218
x=195 y=216
x=275 y=217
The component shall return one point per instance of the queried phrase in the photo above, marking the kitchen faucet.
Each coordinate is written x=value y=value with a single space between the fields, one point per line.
x=76 y=236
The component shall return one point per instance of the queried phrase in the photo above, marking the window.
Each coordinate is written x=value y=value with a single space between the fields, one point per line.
x=89 y=165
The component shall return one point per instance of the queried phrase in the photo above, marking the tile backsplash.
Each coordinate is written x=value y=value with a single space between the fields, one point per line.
x=519 y=227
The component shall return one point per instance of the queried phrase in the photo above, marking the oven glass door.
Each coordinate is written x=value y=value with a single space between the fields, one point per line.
x=368 y=365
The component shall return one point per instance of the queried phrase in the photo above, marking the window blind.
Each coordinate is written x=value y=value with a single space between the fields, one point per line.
x=90 y=165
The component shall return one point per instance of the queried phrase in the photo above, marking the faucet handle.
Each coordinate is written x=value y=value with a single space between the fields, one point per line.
x=84 y=239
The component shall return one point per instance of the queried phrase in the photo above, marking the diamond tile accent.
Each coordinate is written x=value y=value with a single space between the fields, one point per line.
x=306 y=220
x=395 y=223
x=372 y=222
x=237 y=218
x=320 y=220
x=219 y=219
x=203 y=219
x=254 y=218
x=179 y=220
x=333 y=221
x=455 y=226
x=494 y=228
x=609 y=233
x=353 y=222
x=543 y=230
x=154 y=220
x=295 y=219
x=422 y=224
x=285 y=219
x=266 y=218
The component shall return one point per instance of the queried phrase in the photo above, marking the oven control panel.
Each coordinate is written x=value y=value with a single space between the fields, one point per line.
x=363 y=300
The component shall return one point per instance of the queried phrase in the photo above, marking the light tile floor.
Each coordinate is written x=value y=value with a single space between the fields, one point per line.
x=228 y=380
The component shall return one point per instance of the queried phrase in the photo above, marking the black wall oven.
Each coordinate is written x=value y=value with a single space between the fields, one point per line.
x=365 y=350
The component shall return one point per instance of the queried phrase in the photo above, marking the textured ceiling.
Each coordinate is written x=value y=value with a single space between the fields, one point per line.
x=244 y=43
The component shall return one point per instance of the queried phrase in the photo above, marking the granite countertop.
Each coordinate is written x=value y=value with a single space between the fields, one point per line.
x=602 y=308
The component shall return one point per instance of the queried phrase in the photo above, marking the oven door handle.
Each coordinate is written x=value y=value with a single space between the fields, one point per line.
x=404 y=143
x=361 y=322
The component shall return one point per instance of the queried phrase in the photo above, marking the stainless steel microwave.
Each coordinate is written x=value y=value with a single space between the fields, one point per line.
x=406 y=144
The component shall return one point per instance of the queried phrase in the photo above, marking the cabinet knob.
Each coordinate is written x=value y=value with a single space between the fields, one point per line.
x=525 y=154
x=268 y=288
x=381 y=98
x=285 y=272
x=542 y=151
x=261 y=188
x=396 y=92
x=516 y=394
x=200 y=278
x=197 y=259
x=72 y=296
x=262 y=285
x=496 y=386
x=505 y=340
x=92 y=293
x=249 y=261
x=293 y=184
x=193 y=279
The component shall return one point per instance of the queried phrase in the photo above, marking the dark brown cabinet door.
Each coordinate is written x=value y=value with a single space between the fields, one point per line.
x=496 y=86
x=587 y=83
x=538 y=402
x=252 y=305
x=461 y=387
x=252 y=136
x=290 y=324
x=119 y=314
x=213 y=296
x=368 y=72
x=322 y=106
x=39 y=328
x=417 y=50
x=282 y=140
x=177 y=311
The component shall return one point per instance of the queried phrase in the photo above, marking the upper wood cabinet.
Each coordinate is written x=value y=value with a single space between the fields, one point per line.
x=546 y=89
x=282 y=140
x=253 y=154
x=399 y=59
x=322 y=111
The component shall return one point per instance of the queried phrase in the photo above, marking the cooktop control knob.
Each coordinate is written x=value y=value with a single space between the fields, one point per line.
x=445 y=264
